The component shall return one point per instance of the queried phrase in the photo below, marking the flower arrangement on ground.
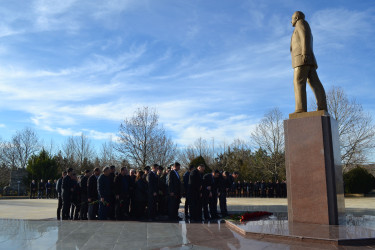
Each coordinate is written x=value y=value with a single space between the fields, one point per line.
x=249 y=216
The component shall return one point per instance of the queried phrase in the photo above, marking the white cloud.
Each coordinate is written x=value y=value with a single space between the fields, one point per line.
x=333 y=26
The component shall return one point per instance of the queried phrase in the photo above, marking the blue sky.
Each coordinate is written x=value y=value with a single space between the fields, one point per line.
x=211 y=68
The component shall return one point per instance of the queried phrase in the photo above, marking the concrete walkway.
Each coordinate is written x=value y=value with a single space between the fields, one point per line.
x=35 y=209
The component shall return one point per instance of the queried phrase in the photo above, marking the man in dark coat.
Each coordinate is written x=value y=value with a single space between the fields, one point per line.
x=122 y=182
x=238 y=188
x=41 y=188
x=270 y=189
x=245 y=187
x=186 y=187
x=152 y=193
x=83 y=191
x=112 y=199
x=210 y=192
x=278 y=189
x=284 y=189
x=224 y=185
x=54 y=192
x=174 y=191
x=32 y=189
x=59 y=194
x=162 y=195
x=214 y=191
x=67 y=189
x=195 y=193
x=132 y=185
x=105 y=193
x=92 y=194
x=263 y=188
x=75 y=199
x=48 y=189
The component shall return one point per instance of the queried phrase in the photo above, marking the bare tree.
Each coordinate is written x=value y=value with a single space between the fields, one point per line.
x=164 y=151
x=200 y=147
x=26 y=143
x=356 y=129
x=109 y=155
x=78 y=151
x=269 y=136
x=140 y=137
x=8 y=155
x=83 y=149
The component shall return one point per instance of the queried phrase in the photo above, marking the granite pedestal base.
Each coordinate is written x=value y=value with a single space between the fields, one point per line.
x=305 y=232
x=313 y=169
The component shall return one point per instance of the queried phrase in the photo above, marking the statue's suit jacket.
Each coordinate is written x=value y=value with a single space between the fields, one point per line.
x=302 y=44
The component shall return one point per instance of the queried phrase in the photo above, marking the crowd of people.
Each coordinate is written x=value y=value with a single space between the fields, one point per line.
x=153 y=193
x=43 y=190
x=261 y=189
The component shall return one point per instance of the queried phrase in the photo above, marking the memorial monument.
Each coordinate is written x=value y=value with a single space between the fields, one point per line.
x=312 y=150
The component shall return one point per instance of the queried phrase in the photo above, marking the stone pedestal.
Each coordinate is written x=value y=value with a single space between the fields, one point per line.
x=313 y=169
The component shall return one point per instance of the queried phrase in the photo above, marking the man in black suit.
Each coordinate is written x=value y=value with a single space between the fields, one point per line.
x=195 y=193
x=186 y=187
x=152 y=193
x=112 y=199
x=92 y=194
x=263 y=188
x=132 y=177
x=122 y=182
x=206 y=194
x=67 y=191
x=48 y=189
x=105 y=193
x=83 y=192
x=224 y=186
x=59 y=194
x=174 y=191
x=32 y=189
x=214 y=190
x=41 y=188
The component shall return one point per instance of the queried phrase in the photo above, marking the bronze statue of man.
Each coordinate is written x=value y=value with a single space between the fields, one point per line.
x=304 y=64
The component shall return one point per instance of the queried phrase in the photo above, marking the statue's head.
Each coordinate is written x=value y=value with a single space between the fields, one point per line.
x=298 y=15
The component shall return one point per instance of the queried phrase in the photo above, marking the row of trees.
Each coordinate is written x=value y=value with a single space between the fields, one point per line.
x=142 y=141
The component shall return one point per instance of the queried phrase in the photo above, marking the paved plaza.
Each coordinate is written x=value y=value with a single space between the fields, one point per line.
x=31 y=224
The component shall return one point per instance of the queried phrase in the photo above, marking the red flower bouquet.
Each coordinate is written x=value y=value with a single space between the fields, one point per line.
x=252 y=215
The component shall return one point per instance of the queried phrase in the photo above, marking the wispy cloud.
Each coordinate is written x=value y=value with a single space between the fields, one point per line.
x=333 y=27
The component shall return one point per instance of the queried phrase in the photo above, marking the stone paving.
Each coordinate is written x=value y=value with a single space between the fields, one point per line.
x=36 y=209
x=31 y=224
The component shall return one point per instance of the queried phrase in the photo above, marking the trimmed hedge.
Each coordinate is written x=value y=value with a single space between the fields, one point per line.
x=358 y=181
